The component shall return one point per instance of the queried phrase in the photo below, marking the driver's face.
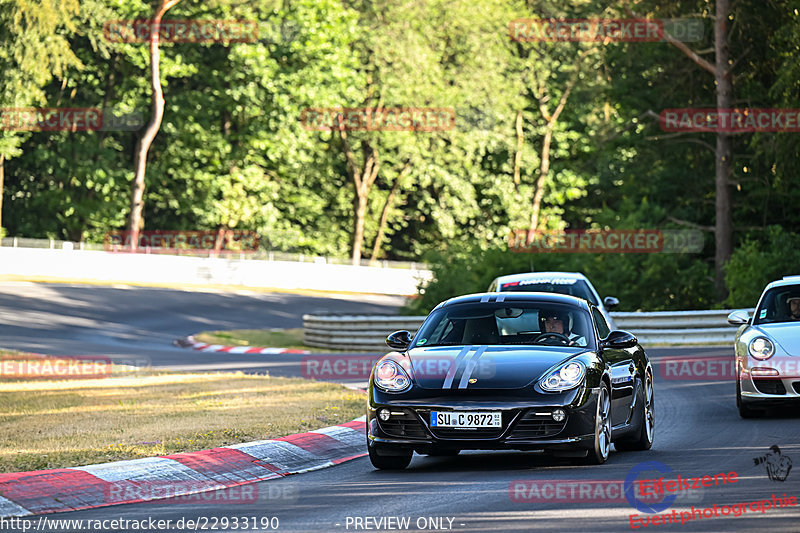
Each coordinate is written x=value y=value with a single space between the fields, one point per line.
x=553 y=325
x=794 y=307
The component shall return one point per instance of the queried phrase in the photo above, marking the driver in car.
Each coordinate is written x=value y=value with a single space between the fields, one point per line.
x=794 y=307
x=558 y=322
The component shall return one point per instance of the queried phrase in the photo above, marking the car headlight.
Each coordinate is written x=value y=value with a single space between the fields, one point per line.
x=761 y=348
x=566 y=377
x=391 y=377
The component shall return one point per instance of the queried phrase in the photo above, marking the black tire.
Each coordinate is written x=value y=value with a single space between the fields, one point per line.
x=389 y=462
x=602 y=429
x=744 y=411
x=644 y=437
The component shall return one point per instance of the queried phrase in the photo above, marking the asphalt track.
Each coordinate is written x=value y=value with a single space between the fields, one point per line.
x=138 y=325
x=698 y=432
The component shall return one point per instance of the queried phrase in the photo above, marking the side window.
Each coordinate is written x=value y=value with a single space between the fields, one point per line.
x=492 y=287
x=599 y=320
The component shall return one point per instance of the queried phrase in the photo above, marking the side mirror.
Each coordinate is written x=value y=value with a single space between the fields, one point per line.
x=738 y=318
x=609 y=302
x=618 y=340
x=399 y=340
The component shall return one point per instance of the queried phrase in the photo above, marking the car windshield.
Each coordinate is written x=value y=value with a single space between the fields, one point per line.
x=512 y=323
x=570 y=286
x=780 y=304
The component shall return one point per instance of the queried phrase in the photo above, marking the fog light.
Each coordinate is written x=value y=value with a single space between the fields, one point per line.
x=559 y=415
x=763 y=371
x=384 y=414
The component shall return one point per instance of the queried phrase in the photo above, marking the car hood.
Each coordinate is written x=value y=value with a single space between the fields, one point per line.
x=490 y=367
x=786 y=334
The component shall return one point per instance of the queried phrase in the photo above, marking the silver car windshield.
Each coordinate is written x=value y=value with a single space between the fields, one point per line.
x=513 y=323
x=779 y=304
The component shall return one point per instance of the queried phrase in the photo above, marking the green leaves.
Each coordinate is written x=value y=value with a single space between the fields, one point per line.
x=232 y=150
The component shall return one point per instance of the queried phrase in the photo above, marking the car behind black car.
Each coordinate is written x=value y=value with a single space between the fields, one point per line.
x=524 y=371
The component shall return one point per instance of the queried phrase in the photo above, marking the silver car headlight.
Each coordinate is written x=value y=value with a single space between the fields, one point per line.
x=761 y=348
x=391 y=377
x=567 y=376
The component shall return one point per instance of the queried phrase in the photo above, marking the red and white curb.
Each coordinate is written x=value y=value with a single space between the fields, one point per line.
x=88 y=487
x=189 y=342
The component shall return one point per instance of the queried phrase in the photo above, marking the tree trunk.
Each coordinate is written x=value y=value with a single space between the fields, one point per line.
x=544 y=170
x=518 y=154
x=362 y=182
x=544 y=165
x=385 y=213
x=151 y=130
x=723 y=227
x=360 y=211
x=2 y=180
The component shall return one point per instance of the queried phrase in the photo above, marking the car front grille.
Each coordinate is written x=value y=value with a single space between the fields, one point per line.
x=405 y=425
x=533 y=426
x=796 y=386
x=769 y=385
x=460 y=433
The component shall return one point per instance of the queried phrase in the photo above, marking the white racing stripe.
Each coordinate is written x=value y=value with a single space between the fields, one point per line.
x=451 y=372
x=471 y=367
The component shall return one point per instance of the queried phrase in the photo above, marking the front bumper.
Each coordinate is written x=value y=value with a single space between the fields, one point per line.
x=770 y=389
x=527 y=423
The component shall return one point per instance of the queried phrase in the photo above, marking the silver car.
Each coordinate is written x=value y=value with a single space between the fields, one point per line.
x=768 y=349
x=572 y=283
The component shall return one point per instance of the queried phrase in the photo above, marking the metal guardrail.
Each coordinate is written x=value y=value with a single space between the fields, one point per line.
x=259 y=255
x=368 y=333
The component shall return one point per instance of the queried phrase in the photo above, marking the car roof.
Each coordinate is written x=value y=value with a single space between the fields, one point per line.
x=494 y=297
x=539 y=275
x=787 y=280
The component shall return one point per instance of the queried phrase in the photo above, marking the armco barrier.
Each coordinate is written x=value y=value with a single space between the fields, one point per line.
x=368 y=333
x=69 y=264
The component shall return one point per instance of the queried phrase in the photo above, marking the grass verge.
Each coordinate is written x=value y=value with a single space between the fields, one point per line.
x=265 y=338
x=55 y=424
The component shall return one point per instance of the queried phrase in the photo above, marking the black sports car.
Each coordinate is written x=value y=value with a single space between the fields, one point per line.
x=523 y=371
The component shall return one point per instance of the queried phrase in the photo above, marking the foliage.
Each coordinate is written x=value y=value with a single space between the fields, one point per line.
x=232 y=151
x=763 y=257
x=640 y=281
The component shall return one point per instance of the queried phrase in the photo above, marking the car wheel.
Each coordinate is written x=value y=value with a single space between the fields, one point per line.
x=744 y=411
x=389 y=462
x=602 y=429
x=644 y=438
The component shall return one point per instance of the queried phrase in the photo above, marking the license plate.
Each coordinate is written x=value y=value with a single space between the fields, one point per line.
x=466 y=419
